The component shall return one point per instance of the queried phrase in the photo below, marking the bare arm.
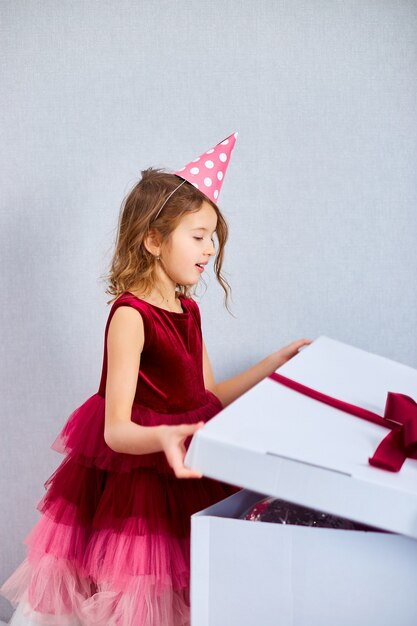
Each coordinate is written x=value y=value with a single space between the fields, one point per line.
x=231 y=389
x=124 y=346
x=125 y=341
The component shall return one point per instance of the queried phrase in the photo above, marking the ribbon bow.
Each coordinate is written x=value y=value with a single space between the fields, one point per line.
x=401 y=442
x=400 y=416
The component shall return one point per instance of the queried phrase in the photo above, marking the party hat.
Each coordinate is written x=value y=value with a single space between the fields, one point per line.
x=207 y=171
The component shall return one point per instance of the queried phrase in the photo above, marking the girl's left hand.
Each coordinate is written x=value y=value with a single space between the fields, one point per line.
x=285 y=354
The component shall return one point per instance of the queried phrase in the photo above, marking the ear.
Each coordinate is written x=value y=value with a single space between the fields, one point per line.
x=152 y=242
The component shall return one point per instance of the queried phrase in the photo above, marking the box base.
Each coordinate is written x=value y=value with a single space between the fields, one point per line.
x=245 y=572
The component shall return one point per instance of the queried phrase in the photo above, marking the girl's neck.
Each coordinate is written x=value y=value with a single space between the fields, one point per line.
x=171 y=303
x=164 y=293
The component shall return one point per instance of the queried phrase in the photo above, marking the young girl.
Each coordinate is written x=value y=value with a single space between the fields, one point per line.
x=111 y=547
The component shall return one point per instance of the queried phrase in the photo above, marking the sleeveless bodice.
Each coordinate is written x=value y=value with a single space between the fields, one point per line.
x=170 y=377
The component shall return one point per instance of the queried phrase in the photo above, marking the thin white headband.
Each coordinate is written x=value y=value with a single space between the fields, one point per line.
x=166 y=200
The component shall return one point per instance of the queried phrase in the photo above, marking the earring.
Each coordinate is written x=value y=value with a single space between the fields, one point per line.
x=158 y=258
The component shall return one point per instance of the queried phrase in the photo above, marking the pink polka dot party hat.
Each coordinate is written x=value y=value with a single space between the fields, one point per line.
x=207 y=171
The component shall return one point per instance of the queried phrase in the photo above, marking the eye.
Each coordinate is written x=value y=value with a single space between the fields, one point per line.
x=198 y=238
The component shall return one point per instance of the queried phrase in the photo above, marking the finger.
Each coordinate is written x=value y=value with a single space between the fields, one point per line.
x=176 y=460
x=187 y=473
x=302 y=342
x=181 y=471
x=189 y=429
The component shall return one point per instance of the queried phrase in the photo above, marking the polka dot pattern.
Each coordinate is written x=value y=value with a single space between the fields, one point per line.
x=209 y=174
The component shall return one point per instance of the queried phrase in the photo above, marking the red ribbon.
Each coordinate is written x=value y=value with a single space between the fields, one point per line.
x=400 y=416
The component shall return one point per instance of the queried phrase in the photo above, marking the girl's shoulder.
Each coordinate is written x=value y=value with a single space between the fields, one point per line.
x=128 y=299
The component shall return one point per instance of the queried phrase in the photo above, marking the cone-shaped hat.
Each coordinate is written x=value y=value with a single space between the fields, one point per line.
x=207 y=171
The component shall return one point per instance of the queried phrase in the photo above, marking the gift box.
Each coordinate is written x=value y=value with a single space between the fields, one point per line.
x=277 y=441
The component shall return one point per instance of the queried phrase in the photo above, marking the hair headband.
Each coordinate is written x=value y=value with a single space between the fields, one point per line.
x=166 y=200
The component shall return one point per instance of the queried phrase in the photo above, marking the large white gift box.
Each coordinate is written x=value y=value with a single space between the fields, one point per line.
x=275 y=441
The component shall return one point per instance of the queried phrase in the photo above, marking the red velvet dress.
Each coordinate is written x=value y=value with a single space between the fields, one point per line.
x=112 y=546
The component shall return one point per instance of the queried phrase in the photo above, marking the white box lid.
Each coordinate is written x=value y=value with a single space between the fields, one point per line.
x=277 y=441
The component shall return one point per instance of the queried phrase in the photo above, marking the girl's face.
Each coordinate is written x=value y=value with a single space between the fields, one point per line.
x=190 y=246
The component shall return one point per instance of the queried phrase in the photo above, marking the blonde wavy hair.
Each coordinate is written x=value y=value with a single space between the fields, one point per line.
x=132 y=266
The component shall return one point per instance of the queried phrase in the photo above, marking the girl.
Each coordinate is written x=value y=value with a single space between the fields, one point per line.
x=112 y=545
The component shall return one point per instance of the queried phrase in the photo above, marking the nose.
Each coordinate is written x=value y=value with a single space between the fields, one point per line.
x=211 y=250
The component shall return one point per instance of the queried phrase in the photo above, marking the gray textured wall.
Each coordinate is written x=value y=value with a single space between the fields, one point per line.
x=320 y=195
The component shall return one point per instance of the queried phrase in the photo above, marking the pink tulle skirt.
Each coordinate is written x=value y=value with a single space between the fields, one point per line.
x=112 y=545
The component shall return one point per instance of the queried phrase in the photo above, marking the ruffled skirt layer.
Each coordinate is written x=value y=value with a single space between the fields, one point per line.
x=112 y=546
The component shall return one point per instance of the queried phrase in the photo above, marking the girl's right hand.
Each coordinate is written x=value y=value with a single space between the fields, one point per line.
x=172 y=443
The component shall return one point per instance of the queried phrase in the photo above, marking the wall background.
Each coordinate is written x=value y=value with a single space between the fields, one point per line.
x=320 y=195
